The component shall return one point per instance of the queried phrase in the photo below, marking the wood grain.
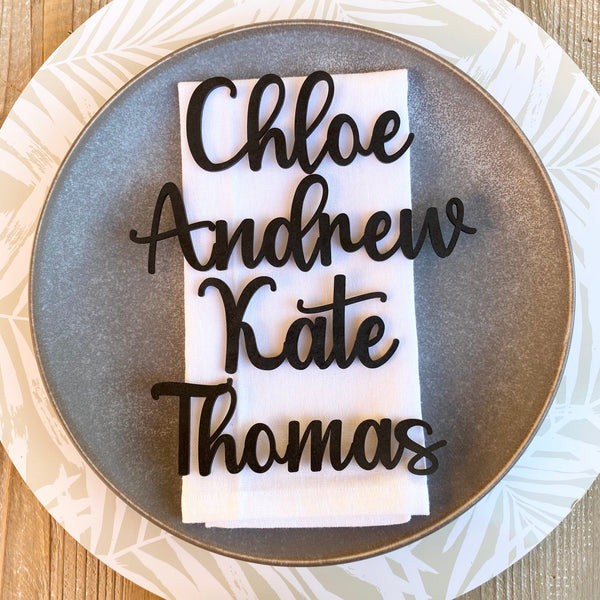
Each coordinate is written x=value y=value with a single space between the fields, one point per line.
x=574 y=25
x=39 y=561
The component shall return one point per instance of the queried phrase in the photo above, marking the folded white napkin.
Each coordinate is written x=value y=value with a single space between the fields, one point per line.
x=278 y=498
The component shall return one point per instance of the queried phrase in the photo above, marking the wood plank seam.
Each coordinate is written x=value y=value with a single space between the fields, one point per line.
x=4 y=510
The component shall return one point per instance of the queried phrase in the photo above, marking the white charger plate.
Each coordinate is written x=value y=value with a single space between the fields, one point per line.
x=543 y=91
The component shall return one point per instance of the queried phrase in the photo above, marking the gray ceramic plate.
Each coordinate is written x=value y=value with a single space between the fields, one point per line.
x=493 y=318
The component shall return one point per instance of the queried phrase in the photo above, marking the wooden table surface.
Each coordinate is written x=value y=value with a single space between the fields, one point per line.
x=39 y=561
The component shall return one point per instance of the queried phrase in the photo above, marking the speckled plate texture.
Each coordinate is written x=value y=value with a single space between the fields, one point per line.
x=471 y=393
x=493 y=319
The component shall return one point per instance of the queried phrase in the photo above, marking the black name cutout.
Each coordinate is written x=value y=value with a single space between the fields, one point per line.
x=259 y=136
x=304 y=237
x=391 y=440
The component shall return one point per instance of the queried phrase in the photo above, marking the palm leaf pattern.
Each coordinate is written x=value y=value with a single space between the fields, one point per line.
x=540 y=88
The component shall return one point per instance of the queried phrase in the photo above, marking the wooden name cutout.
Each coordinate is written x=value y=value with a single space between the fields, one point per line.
x=259 y=136
x=391 y=440
x=293 y=231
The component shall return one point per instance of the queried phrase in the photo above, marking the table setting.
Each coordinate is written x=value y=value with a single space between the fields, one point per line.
x=505 y=132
